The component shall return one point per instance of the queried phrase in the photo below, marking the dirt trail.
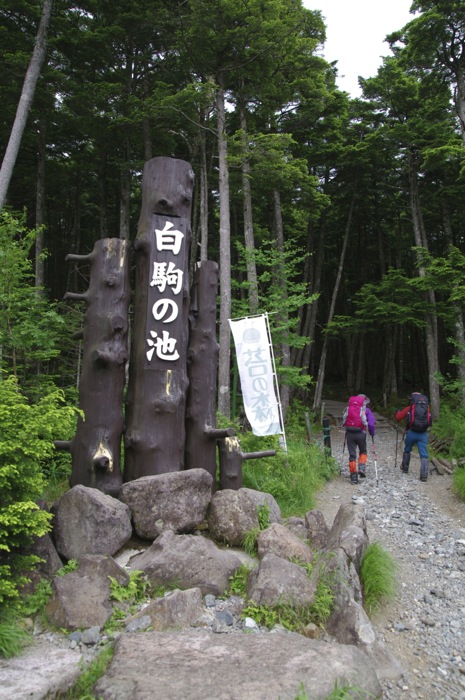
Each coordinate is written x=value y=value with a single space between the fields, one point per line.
x=422 y=525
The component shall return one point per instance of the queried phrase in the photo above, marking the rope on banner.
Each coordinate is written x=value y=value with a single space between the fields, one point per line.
x=283 y=442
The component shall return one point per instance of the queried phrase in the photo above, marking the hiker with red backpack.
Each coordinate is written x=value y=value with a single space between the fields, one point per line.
x=357 y=419
x=418 y=420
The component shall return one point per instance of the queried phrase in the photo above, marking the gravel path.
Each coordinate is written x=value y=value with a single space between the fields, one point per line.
x=422 y=525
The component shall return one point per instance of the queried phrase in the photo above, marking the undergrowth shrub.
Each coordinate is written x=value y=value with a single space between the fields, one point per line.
x=458 y=482
x=450 y=426
x=293 y=478
x=27 y=432
x=378 y=577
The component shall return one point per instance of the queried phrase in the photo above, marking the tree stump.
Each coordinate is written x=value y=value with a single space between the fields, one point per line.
x=96 y=447
x=157 y=386
x=231 y=459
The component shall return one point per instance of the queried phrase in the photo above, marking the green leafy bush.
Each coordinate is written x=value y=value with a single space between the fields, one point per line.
x=377 y=576
x=458 y=482
x=27 y=432
x=238 y=581
x=30 y=325
x=12 y=637
x=450 y=427
x=82 y=689
x=292 y=478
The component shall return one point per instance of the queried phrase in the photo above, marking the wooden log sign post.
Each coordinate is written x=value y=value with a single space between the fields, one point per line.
x=202 y=366
x=157 y=386
x=96 y=447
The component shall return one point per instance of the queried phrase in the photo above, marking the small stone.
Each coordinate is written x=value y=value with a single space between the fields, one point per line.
x=91 y=636
x=250 y=624
x=225 y=617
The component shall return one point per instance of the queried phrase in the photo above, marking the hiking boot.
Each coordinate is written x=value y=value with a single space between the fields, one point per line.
x=354 y=478
x=362 y=473
x=424 y=469
x=405 y=462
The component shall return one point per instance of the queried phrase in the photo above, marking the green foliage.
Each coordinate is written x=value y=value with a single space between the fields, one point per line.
x=82 y=689
x=238 y=581
x=70 y=566
x=134 y=592
x=29 y=324
x=13 y=637
x=458 y=482
x=292 y=478
x=296 y=618
x=249 y=542
x=38 y=599
x=321 y=608
x=450 y=426
x=263 y=512
x=340 y=692
x=377 y=576
x=27 y=431
x=115 y=621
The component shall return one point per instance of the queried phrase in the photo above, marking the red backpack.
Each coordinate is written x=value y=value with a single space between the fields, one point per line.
x=354 y=415
x=419 y=415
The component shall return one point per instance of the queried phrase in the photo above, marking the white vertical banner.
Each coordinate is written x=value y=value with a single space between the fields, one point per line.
x=254 y=361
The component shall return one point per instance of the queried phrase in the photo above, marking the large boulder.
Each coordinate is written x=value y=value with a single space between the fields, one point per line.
x=81 y=598
x=175 y=501
x=277 y=581
x=199 y=665
x=231 y=515
x=348 y=622
x=175 y=611
x=260 y=498
x=316 y=528
x=87 y=521
x=297 y=526
x=41 y=670
x=277 y=539
x=349 y=532
x=187 y=561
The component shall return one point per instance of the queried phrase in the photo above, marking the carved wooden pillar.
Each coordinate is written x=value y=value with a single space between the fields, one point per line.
x=157 y=388
x=202 y=367
x=96 y=447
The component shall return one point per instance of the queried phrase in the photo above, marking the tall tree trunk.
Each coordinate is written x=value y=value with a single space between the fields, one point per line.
x=103 y=196
x=203 y=219
x=459 y=323
x=430 y=319
x=248 y=219
x=125 y=184
x=315 y=289
x=25 y=101
x=224 y=381
x=281 y=283
x=40 y=209
x=324 y=351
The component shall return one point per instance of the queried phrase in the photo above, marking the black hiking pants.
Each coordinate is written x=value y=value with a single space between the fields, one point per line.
x=356 y=438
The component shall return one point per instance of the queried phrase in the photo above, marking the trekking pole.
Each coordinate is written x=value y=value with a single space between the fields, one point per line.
x=342 y=454
x=375 y=459
x=397 y=440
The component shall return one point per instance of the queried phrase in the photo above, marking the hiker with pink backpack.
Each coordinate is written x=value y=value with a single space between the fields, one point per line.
x=357 y=419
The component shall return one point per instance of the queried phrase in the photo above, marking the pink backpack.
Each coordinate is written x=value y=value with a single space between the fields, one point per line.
x=355 y=414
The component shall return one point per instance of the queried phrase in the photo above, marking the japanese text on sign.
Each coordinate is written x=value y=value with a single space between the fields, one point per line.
x=167 y=283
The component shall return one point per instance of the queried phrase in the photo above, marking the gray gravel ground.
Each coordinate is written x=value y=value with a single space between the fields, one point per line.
x=422 y=525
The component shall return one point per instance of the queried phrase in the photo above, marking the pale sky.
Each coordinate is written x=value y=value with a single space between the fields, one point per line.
x=355 y=31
